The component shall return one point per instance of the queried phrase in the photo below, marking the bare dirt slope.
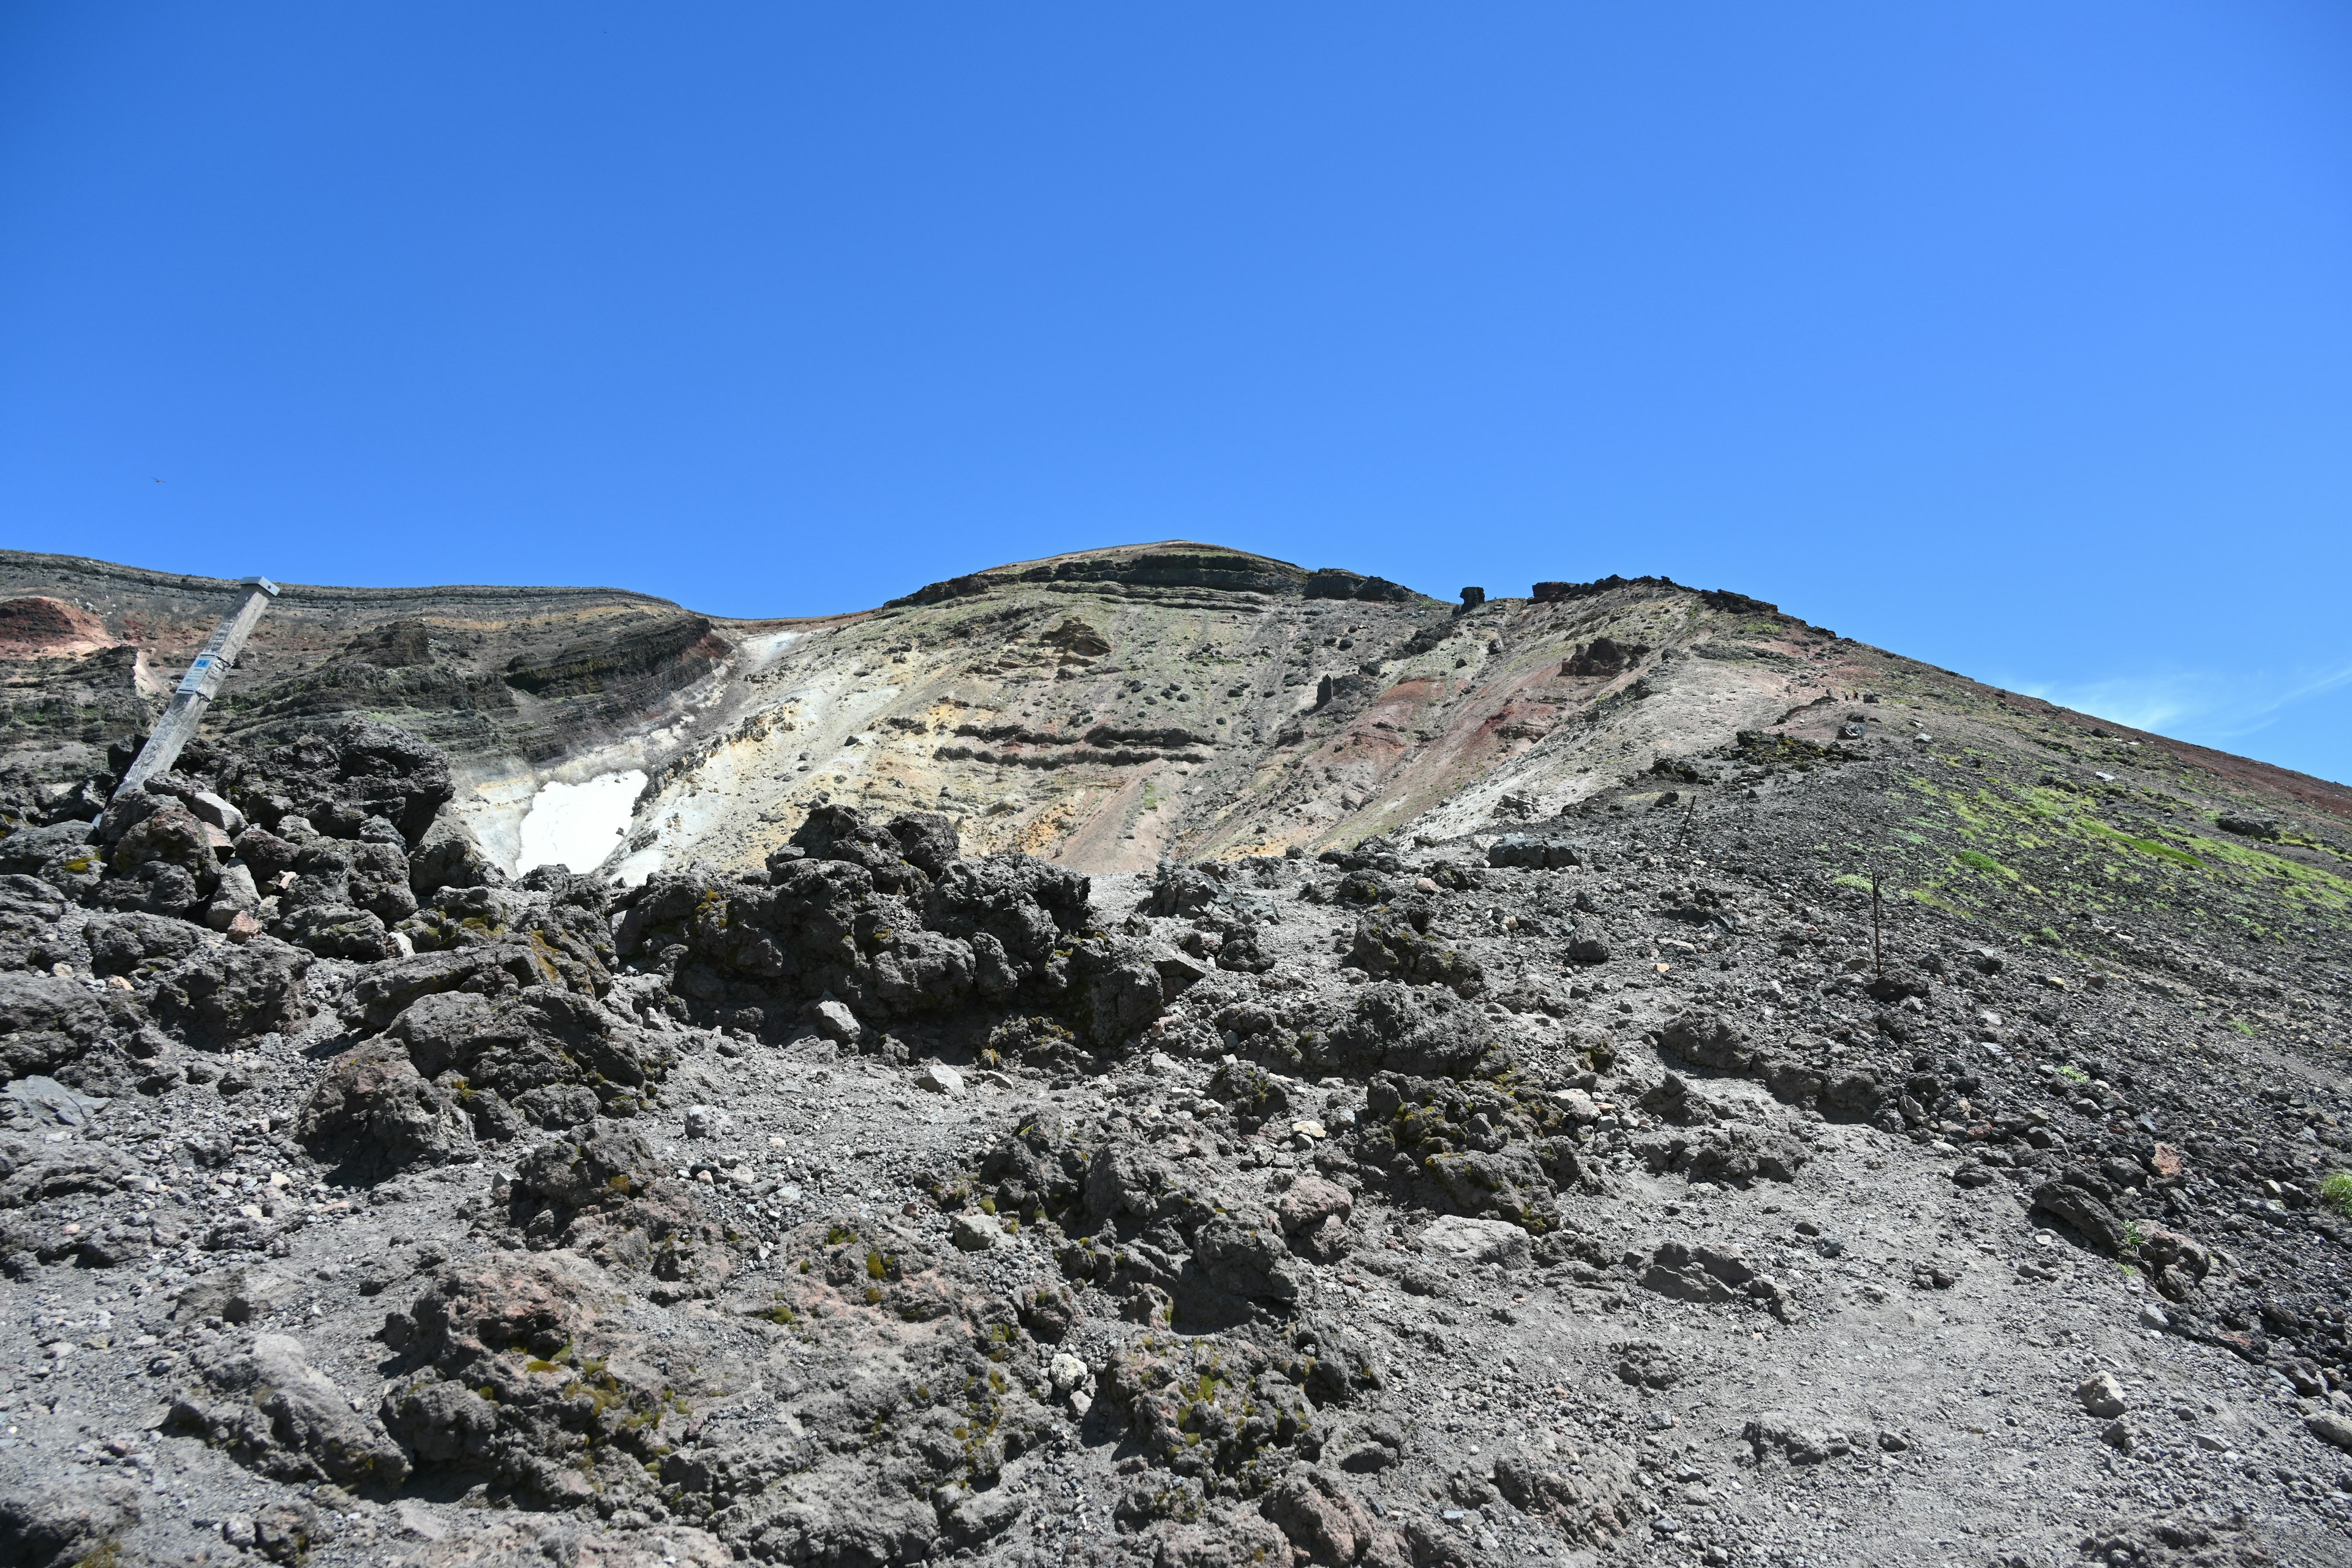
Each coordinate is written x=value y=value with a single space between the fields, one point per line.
x=1119 y=1099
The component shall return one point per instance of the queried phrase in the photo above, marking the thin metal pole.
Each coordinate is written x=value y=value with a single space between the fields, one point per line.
x=198 y=687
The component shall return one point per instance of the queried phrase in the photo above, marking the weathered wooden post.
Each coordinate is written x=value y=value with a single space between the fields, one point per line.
x=197 y=688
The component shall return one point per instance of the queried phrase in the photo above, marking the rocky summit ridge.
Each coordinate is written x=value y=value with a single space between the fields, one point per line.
x=1156 y=1056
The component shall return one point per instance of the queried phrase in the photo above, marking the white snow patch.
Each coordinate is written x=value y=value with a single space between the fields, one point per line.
x=578 y=825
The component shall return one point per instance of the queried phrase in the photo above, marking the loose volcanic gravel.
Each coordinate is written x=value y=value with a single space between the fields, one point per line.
x=1632 y=1185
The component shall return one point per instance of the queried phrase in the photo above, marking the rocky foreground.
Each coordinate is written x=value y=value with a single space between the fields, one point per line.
x=1630 y=1185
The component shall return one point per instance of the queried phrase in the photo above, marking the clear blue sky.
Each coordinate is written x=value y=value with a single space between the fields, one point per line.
x=2015 y=337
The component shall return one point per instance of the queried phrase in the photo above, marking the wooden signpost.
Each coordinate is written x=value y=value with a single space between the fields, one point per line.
x=198 y=687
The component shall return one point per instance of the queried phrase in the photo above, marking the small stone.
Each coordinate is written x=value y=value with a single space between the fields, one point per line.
x=835 y=1021
x=2117 y=1435
x=1894 y=1442
x=940 y=1079
x=973 y=1232
x=2100 y=1394
x=1067 y=1372
x=2152 y=1316
x=211 y=809
x=706 y=1121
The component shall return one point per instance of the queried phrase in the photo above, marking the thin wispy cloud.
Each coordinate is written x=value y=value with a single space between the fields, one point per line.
x=2213 y=707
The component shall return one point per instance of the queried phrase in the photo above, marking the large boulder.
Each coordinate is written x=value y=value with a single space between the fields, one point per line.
x=336 y=930
x=1325 y=1521
x=2084 y=1212
x=1392 y=942
x=902 y=855
x=373 y=1115
x=138 y=946
x=603 y=1192
x=49 y=1025
x=276 y=1412
x=1115 y=989
x=1589 y=1502
x=218 y=997
x=882 y=918
x=449 y=858
x=61 y=855
x=1246 y=1256
x=338 y=775
x=1422 y=1031
x=1181 y=891
x=31 y=935
x=372 y=875
x=62 y=1520
x=1707 y=1039
x=386 y=991
x=558 y=1058
x=170 y=834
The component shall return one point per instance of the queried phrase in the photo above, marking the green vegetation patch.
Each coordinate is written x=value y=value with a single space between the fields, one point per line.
x=2335 y=1191
x=2304 y=884
x=2100 y=830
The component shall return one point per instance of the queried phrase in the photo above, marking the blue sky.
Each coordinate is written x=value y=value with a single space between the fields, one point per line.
x=2016 y=338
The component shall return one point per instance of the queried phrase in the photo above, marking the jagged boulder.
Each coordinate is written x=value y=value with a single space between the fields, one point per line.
x=1474 y=1149
x=1323 y=1519
x=556 y=1057
x=31 y=932
x=449 y=858
x=1392 y=942
x=1181 y=891
x=1590 y=1498
x=217 y=997
x=62 y=854
x=902 y=854
x=338 y=776
x=1422 y=1032
x=49 y=1025
x=518 y=1375
x=372 y=1115
x=491 y=968
x=138 y=946
x=63 y=1521
x=166 y=833
x=1211 y=1407
x=273 y=1410
x=605 y=1195
x=883 y=920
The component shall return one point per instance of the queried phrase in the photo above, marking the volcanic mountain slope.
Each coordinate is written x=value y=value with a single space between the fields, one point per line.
x=1101 y=710
x=1506 y=1125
